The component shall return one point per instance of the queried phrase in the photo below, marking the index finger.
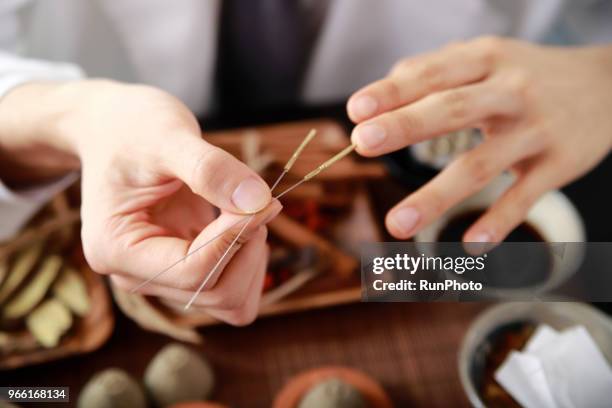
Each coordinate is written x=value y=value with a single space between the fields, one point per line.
x=414 y=78
x=435 y=115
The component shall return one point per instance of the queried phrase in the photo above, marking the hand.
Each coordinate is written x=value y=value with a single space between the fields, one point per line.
x=150 y=185
x=544 y=111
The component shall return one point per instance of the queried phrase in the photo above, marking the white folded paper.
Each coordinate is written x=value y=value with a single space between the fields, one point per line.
x=558 y=370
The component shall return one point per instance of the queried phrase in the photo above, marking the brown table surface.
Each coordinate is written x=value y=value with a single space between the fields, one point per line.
x=411 y=348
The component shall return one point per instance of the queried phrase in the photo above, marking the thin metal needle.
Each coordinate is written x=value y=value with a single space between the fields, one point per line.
x=158 y=274
x=214 y=269
x=299 y=183
x=278 y=180
x=307 y=177
x=286 y=169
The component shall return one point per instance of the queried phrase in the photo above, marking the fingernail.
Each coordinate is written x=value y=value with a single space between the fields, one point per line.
x=405 y=219
x=478 y=243
x=251 y=195
x=370 y=135
x=481 y=237
x=364 y=106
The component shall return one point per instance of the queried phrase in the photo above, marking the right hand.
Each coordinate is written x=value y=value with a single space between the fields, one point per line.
x=150 y=185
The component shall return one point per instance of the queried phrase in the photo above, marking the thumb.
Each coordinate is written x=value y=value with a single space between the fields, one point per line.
x=218 y=176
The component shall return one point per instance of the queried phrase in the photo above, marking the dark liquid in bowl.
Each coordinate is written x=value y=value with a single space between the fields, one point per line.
x=507 y=266
x=454 y=230
x=490 y=355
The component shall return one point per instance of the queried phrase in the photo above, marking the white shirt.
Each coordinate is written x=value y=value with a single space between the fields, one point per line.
x=172 y=44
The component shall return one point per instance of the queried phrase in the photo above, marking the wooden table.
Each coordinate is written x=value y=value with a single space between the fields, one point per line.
x=410 y=348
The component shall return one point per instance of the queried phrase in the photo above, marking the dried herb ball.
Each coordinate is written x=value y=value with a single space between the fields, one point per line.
x=112 y=388
x=178 y=374
x=333 y=393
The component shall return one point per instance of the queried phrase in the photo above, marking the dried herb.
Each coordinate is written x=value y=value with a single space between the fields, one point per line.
x=70 y=289
x=49 y=322
x=25 y=262
x=34 y=291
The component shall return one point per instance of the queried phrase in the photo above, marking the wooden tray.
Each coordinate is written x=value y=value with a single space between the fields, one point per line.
x=341 y=283
x=88 y=332
x=331 y=288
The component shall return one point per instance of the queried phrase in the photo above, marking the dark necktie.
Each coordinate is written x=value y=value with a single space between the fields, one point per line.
x=264 y=46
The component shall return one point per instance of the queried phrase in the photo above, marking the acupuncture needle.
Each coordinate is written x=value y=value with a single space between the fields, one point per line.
x=286 y=169
x=307 y=177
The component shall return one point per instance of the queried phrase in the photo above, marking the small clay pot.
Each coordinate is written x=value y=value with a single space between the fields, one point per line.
x=291 y=395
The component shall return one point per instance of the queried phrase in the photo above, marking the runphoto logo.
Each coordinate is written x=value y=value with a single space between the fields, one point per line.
x=412 y=264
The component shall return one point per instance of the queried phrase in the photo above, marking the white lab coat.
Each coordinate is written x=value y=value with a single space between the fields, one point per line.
x=172 y=44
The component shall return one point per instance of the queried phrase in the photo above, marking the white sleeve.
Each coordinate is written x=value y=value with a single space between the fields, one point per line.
x=15 y=71
x=14 y=68
x=16 y=208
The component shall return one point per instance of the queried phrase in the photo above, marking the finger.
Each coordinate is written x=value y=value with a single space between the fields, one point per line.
x=217 y=176
x=248 y=312
x=184 y=214
x=414 y=78
x=233 y=288
x=432 y=116
x=185 y=264
x=511 y=209
x=463 y=177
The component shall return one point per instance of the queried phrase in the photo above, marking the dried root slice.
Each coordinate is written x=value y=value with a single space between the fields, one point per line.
x=137 y=308
x=71 y=290
x=21 y=268
x=49 y=321
x=34 y=291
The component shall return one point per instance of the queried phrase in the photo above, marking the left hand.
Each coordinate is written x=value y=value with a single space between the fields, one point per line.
x=544 y=111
